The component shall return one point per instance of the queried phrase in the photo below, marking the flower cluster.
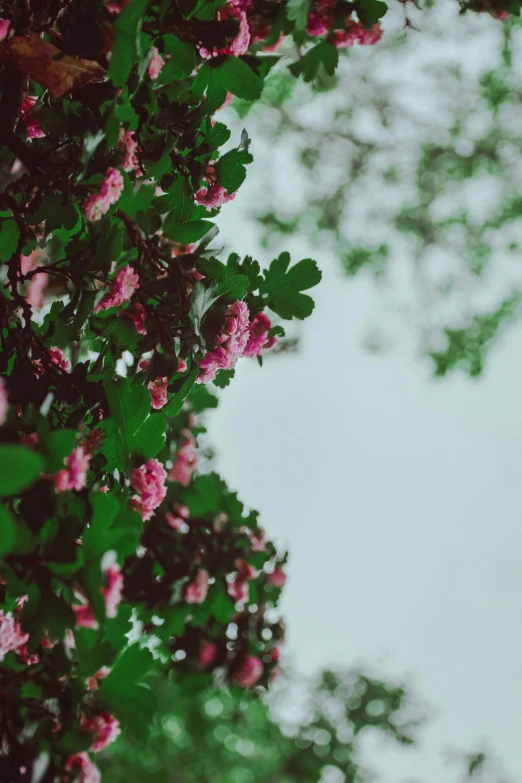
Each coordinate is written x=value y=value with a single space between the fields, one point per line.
x=98 y=204
x=121 y=290
x=149 y=482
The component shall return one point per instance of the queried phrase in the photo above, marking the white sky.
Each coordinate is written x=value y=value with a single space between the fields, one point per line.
x=399 y=498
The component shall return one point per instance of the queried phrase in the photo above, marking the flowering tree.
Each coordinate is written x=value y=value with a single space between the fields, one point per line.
x=115 y=316
x=415 y=177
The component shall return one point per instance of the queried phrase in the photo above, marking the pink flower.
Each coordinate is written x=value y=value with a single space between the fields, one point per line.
x=277 y=578
x=4 y=27
x=122 y=288
x=207 y=654
x=500 y=15
x=196 y=591
x=129 y=146
x=238 y=588
x=4 y=404
x=115 y=6
x=84 y=616
x=58 y=357
x=149 y=481
x=74 y=476
x=321 y=18
x=158 y=392
x=186 y=461
x=182 y=365
x=31 y=123
x=112 y=592
x=99 y=203
x=92 y=682
x=104 y=727
x=239 y=45
x=112 y=185
x=156 y=64
x=39 y=282
x=232 y=342
x=356 y=33
x=12 y=638
x=258 y=336
x=248 y=672
x=213 y=196
x=80 y=762
x=178 y=520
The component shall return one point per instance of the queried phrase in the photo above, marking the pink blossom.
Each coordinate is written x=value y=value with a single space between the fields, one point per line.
x=115 y=6
x=158 y=392
x=92 y=682
x=258 y=337
x=232 y=341
x=74 y=476
x=149 y=481
x=99 y=203
x=130 y=147
x=31 y=123
x=213 y=196
x=38 y=283
x=277 y=578
x=196 y=591
x=239 y=45
x=207 y=654
x=58 y=357
x=356 y=33
x=156 y=64
x=182 y=365
x=85 y=616
x=12 y=638
x=104 y=727
x=276 y=653
x=4 y=27
x=121 y=290
x=321 y=18
x=238 y=588
x=4 y=404
x=178 y=520
x=500 y=15
x=186 y=461
x=144 y=364
x=89 y=772
x=248 y=672
x=113 y=590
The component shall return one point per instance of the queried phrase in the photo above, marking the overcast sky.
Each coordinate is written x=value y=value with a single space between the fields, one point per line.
x=399 y=498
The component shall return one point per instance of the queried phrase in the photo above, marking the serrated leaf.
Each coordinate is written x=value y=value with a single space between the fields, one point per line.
x=182 y=62
x=178 y=201
x=282 y=287
x=9 y=236
x=235 y=76
x=19 y=468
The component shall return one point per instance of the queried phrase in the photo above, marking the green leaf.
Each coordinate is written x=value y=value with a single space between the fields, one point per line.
x=235 y=287
x=173 y=407
x=297 y=11
x=9 y=236
x=283 y=286
x=218 y=135
x=7 y=531
x=370 y=11
x=125 y=48
x=19 y=468
x=186 y=233
x=323 y=54
x=202 y=300
x=131 y=666
x=57 y=446
x=178 y=201
x=223 y=378
x=182 y=62
x=130 y=405
x=235 y=76
x=230 y=169
x=133 y=705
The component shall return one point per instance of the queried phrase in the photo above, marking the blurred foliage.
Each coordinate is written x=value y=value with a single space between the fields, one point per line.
x=406 y=167
x=301 y=732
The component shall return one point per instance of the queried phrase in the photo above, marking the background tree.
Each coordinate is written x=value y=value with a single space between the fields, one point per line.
x=406 y=167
